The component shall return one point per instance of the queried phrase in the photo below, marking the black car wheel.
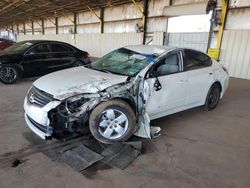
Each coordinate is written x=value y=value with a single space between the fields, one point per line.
x=213 y=98
x=112 y=121
x=9 y=74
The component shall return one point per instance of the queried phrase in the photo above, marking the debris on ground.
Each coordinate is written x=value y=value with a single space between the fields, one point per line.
x=155 y=132
x=81 y=157
x=120 y=155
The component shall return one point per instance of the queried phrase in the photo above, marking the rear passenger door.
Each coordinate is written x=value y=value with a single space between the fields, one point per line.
x=200 y=76
x=63 y=55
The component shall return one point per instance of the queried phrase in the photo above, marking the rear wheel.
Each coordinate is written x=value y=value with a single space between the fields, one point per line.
x=213 y=98
x=112 y=121
x=9 y=74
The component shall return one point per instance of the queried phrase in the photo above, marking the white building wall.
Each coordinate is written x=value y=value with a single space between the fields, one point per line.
x=158 y=38
x=96 y=44
x=119 y=28
x=235 y=49
x=60 y=37
x=117 y=19
x=238 y=19
x=197 y=41
x=89 y=28
x=235 y=53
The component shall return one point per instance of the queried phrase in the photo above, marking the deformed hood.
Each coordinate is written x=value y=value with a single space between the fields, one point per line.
x=7 y=57
x=79 y=80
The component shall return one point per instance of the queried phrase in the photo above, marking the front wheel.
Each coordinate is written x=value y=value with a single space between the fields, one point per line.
x=9 y=74
x=213 y=98
x=112 y=121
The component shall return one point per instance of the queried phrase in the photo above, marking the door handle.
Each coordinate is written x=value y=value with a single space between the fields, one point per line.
x=211 y=73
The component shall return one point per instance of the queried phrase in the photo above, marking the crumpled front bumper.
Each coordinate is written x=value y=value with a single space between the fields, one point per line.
x=36 y=118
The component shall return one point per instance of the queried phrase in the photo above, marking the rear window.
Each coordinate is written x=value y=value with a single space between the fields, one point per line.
x=41 y=48
x=60 y=48
x=194 y=60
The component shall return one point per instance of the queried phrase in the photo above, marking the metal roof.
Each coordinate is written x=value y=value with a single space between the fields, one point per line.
x=17 y=11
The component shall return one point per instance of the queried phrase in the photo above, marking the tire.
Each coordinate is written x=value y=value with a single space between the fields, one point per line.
x=77 y=64
x=213 y=98
x=112 y=121
x=9 y=74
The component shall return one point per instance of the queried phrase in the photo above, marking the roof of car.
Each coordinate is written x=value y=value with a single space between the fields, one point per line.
x=40 y=41
x=150 y=49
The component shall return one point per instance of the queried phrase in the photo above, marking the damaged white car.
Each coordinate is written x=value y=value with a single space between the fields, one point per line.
x=117 y=96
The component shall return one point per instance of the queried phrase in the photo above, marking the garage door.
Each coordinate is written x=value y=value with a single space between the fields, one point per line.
x=194 y=40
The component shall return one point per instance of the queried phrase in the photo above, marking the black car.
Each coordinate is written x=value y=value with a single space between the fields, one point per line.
x=38 y=57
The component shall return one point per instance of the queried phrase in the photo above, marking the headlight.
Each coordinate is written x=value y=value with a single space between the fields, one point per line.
x=73 y=104
x=79 y=103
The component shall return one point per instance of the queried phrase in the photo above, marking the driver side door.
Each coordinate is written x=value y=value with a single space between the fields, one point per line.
x=171 y=95
x=36 y=60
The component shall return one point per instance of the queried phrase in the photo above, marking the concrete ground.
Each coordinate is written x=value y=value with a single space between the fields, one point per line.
x=196 y=149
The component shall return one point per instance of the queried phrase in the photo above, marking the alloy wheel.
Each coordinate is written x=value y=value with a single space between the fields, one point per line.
x=113 y=124
x=213 y=98
x=8 y=74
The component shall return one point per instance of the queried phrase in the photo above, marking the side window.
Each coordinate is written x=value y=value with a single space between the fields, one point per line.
x=169 y=65
x=60 y=48
x=41 y=48
x=194 y=60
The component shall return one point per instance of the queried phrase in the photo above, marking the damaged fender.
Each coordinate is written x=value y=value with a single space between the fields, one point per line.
x=73 y=113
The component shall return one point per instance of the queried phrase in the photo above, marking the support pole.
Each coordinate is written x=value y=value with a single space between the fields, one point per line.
x=56 y=24
x=223 y=21
x=75 y=23
x=32 y=27
x=100 y=18
x=24 y=29
x=215 y=52
x=13 y=33
x=145 y=10
x=17 y=28
x=144 y=19
x=43 y=31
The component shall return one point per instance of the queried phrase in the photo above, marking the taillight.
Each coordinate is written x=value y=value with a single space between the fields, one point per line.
x=225 y=69
x=86 y=55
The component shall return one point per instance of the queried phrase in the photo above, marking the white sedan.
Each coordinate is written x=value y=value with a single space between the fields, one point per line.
x=117 y=96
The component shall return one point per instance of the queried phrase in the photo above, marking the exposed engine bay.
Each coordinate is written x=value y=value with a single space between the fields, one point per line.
x=71 y=117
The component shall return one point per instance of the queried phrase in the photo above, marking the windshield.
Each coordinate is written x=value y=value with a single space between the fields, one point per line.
x=20 y=46
x=123 y=61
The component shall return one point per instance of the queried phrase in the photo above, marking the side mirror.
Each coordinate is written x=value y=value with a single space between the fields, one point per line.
x=157 y=83
x=29 y=53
